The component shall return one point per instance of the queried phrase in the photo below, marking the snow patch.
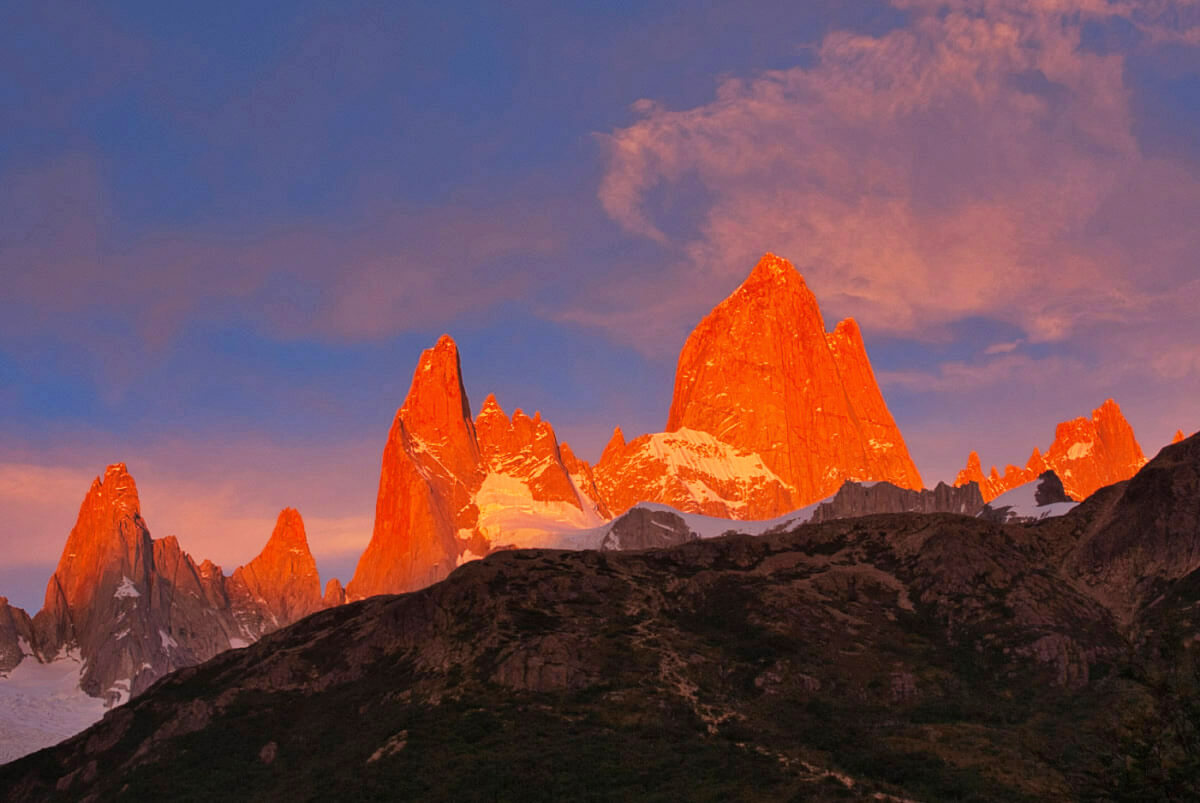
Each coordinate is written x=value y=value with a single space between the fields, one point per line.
x=236 y=643
x=467 y=556
x=167 y=641
x=508 y=514
x=701 y=453
x=126 y=589
x=119 y=692
x=1079 y=450
x=702 y=526
x=1021 y=503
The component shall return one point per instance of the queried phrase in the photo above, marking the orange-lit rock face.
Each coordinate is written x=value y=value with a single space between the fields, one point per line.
x=424 y=513
x=284 y=575
x=109 y=542
x=763 y=378
x=334 y=594
x=525 y=448
x=1178 y=436
x=451 y=488
x=1087 y=454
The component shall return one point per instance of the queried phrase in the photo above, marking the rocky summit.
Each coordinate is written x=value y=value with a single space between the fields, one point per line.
x=770 y=412
x=897 y=656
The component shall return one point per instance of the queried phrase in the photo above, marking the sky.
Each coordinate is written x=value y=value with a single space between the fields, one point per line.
x=228 y=230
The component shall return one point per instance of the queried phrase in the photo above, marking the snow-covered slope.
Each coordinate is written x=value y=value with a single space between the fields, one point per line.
x=700 y=526
x=1021 y=504
x=42 y=704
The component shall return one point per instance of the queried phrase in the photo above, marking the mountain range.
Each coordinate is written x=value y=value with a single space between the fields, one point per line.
x=886 y=657
x=774 y=420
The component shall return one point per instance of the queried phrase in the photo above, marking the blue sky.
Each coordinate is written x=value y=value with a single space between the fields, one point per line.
x=227 y=231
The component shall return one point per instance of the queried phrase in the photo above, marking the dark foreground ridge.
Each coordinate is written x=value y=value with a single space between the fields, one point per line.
x=920 y=656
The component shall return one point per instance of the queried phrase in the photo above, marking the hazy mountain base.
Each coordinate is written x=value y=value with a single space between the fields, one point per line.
x=905 y=651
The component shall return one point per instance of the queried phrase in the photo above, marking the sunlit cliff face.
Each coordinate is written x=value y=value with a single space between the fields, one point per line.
x=1087 y=454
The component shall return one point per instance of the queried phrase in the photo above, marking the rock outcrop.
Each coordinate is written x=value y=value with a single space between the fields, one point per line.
x=770 y=412
x=1087 y=454
x=334 y=594
x=425 y=517
x=855 y=499
x=16 y=635
x=1179 y=436
x=644 y=528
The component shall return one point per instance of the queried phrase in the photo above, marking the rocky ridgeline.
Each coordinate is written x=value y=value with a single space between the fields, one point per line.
x=864 y=499
x=1087 y=454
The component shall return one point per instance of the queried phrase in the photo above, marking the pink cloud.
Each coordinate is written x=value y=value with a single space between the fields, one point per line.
x=220 y=499
x=978 y=161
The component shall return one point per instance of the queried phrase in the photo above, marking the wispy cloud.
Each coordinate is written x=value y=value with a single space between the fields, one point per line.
x=979 y=161
x=1003 y=348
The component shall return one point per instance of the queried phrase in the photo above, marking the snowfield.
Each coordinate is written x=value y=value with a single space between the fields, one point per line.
x=1022 y=504
x=42 y=704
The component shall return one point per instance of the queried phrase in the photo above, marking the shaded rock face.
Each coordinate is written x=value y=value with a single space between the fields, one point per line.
x=1087 y=454
x=640 y=528
x=334 y=594
x=1050 y=490
x=1141 y=535
x=137 y=608
x=857 y=499
x=761 y=373
x=16 y=635
x=436 y=464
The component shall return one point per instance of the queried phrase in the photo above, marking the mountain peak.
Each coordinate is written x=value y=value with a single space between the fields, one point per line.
x=1178 y=436
x=491 y=407
x=116 y=489
x=289 y=530
x=284 y=574
x=772 y=268
x=761 y=374
x=436 y=412
x=615 y=444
